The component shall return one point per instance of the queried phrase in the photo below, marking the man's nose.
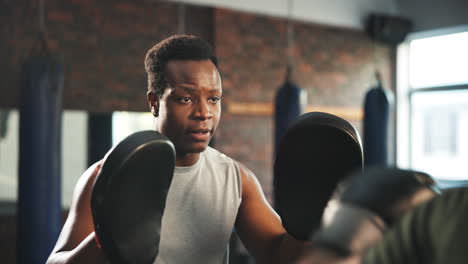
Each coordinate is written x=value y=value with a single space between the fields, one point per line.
x=203 y=111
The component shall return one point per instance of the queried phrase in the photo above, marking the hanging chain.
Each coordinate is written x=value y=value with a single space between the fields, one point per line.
x=290 y=34
x=181 y=18
x=42 y=27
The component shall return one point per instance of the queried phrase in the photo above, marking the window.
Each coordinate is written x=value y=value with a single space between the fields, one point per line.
x=439 y=61
x=432 y=132
x=126 y=123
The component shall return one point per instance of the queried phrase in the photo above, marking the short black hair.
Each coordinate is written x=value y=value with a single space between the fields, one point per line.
x=178 y=47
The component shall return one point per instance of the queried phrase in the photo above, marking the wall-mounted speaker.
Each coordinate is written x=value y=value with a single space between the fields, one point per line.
x=388 y=29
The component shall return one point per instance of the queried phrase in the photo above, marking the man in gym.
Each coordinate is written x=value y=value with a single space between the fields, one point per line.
x=210 y=193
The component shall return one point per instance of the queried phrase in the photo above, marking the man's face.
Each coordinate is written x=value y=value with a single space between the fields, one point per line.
x=189 y=110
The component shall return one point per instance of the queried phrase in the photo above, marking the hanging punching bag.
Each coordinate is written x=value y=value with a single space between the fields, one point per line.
x=39 y=197
x=376 y=125
x=289 y=105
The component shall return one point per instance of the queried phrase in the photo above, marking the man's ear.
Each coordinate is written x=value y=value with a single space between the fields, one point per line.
x=153 y=102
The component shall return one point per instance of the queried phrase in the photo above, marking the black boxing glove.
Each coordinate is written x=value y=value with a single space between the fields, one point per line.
x=366 y=203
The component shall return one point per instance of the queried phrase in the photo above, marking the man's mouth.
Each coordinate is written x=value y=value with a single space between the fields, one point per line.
x=200 y=134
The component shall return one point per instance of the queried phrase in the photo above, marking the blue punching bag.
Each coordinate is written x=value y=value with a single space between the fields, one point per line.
x=39 y=197
x=376 y=119
x=288 y=107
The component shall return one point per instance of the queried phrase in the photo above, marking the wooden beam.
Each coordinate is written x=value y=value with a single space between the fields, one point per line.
x=267 y=109
x=348 y=113
x=257 y=109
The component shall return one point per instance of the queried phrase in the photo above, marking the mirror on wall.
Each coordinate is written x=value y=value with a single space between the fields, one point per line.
x=74 y=155
x=76 y=127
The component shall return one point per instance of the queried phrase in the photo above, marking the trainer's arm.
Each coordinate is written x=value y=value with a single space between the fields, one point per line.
x=260 y=228
x=76 y=243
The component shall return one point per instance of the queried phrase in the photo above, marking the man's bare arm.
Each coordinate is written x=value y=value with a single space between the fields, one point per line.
x=76 y=243
x=260 y=227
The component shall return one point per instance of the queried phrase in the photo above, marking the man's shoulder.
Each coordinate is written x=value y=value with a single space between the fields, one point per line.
x=213 y=154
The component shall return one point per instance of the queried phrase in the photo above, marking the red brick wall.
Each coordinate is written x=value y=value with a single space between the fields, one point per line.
x=8 y=239
x=102 y=43
x=335 y=66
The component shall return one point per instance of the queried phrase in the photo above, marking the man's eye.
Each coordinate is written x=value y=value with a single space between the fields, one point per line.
x=214 y=99
x=184 y=99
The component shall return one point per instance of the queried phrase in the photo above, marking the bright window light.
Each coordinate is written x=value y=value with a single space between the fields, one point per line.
x=439 y=133
x=126 y=123
x=439 y=61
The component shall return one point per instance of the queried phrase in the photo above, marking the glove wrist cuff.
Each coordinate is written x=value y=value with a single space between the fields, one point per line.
x=349 y=229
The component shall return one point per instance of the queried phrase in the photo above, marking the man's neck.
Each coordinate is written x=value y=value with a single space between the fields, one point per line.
x=186 y=160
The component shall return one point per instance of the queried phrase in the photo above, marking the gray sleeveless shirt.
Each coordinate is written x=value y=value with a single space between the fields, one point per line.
x=201 y=210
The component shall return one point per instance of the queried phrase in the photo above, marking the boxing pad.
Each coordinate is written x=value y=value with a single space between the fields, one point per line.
x=316 y=152
x=129 y=197
x=367 y=203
